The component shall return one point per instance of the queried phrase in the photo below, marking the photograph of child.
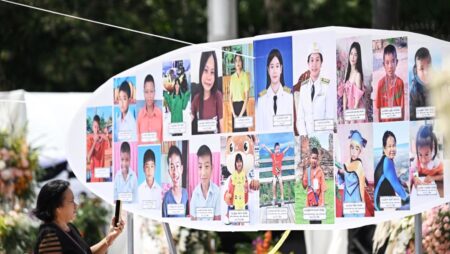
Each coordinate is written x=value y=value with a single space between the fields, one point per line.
x=149 y=102
x=391 y=157
x=354 y=170
x=315 y=92
x=240 y=184
x=354 y=79
x=149 y=179
x=390 y=79
x=174 y=179
x=314 y=195
x=277 y=177
x=124 y=109
x=423 y=60
x=204 y=179
x=207 y=97
x=273 y=79
x=177 y=98
x=98 y=144
x=125 y=172
x=427 y=167
x=238 y=89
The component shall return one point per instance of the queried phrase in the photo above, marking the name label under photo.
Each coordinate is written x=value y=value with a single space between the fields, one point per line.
x=102 y=172
x=125 y=196
x=324 y=125
x=243 y=122
x=390 y=202
x=176 y=209
x=425 y=112
x=354 y=208
x=204 y=212
x=391 y=113
x=314 y=213
x=355 y=114
x=426 y=189
x=282 y=120
x=207 y=125
x=148 y=204
x=176 y=128
x=277 y=213
x=242 y=216
x=149 y=137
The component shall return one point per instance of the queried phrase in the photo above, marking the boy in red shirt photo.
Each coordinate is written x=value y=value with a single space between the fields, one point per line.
x=277 y=161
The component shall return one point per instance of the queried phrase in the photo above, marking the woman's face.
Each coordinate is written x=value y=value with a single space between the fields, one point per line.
x=314 y=64
x=355 y=150
x=208 y=75
x=353 y=57
x=239 y=166
x=67 y=211
x=390 y=150
x=275 y=70
x=425 y=153
x=238 y=63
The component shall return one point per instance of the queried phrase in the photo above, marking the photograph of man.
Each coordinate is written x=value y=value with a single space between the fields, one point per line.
x=125 y=119
x=316 y=99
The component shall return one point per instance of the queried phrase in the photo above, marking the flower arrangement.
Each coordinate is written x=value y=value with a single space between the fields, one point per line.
x=436 y=230
x=17 y=232
x=18 y=167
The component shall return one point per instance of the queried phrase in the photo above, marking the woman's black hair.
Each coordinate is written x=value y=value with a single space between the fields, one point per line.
x=203 y=59
x=426 y=137
x=386 y=135
x=49 y=198
x=358 y=66
x=274 y=53
x=238 y=158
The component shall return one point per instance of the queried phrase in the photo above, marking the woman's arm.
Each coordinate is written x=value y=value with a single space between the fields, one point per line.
x=244 y=107
x=231 y=103
x=359 y=92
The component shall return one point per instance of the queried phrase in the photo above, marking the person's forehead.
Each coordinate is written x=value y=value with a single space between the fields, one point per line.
x=124 y=154
x=389 y=55
x=204 y=158
x=149 y=83
x=149 y=162
x=175 y=158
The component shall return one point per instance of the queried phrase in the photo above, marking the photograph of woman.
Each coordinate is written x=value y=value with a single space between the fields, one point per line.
x=239 y=91
x=352 y=94
x=391 y=178
x=207 y=100
x=273 y=76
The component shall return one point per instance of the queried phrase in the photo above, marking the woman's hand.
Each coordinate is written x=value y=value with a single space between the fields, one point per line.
x=114 y=231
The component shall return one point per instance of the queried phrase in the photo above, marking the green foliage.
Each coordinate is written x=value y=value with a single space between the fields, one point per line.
x=266 y=194
x=92 y=219
x=300 y=201
x=314 y=142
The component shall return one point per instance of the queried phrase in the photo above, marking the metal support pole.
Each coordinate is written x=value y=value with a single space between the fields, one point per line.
x=130 y=239
x=169 y=238
x=418 y=233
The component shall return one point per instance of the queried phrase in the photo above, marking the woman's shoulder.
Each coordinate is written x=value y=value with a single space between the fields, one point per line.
x=48 y=239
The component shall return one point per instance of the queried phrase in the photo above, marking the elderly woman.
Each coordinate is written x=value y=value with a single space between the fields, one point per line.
x=56 y=208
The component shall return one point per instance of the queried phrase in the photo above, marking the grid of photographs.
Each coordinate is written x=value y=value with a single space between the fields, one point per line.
x=284 y=130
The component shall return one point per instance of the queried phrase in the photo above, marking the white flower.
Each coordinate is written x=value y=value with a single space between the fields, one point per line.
x=2 y=164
